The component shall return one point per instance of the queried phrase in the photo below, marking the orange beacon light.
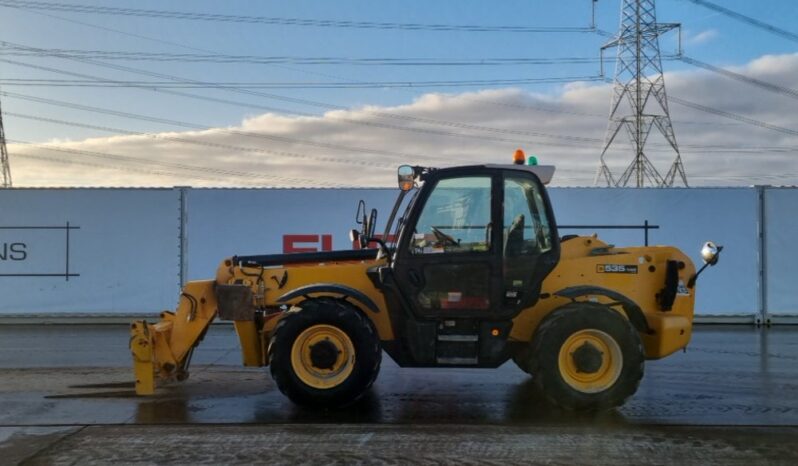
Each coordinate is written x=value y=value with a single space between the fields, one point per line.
x=519 y=158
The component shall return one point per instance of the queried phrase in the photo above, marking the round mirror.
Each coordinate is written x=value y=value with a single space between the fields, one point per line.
x=709 y=253
x=406 y=177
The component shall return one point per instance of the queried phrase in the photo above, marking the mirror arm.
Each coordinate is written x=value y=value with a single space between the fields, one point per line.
x=691 y=282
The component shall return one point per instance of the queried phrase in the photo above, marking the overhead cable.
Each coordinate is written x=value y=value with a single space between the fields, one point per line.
x=389 y=115
x=9 y=50
x=733 y=116
x=292 y=84
x=281 y=21
x=789 y=35
x=169 y=165
x=742 y=78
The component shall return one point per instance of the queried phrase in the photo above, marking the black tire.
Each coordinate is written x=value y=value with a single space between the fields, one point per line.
x=344 y=317
x=591 y=318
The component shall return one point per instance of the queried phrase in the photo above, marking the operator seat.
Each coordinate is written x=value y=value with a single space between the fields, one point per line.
x=514 y=241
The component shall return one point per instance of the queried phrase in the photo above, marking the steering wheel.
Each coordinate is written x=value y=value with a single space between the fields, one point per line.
x=443 y=237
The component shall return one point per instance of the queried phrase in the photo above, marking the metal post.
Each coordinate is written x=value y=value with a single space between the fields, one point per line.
x=66 y=275
x=183 y=235
x=763 y=318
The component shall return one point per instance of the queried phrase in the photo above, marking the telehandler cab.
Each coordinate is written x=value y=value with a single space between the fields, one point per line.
x=473 y=273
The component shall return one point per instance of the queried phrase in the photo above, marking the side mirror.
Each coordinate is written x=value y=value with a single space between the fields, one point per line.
x=406 y=176
x=360 y=215
x=710 y=253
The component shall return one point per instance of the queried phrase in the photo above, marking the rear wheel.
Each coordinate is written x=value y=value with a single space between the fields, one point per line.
x=324 y=353
x=587 y=356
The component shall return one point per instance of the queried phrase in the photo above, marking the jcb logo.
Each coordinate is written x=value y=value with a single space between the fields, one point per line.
x=616 y=268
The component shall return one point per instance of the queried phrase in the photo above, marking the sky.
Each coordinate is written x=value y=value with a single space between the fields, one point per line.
x=70 y=134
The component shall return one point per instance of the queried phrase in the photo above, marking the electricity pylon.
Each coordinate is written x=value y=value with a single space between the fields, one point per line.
x=4 y=155
x=640 y=83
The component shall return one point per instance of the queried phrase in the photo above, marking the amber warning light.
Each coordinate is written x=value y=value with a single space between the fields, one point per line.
x=519 y=157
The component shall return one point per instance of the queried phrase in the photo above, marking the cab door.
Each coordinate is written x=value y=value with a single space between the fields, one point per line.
x=530 y=245
x=448 y=261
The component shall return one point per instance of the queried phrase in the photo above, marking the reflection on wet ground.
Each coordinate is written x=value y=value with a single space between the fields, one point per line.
x=729 y=376
x=66 y=397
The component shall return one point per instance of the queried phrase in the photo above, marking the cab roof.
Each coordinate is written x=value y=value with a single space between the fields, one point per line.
x=543 y=172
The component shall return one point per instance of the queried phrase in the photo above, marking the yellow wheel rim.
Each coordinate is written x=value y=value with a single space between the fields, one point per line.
x=590 y=361
x=323 y=356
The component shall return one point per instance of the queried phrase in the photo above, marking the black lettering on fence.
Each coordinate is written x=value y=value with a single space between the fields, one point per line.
x=19 y=251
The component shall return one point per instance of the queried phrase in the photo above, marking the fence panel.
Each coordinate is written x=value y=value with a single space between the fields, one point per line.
x=227 y=222
x=88 y=251
x=123 y=253
x=781 y=250
x=686 y=219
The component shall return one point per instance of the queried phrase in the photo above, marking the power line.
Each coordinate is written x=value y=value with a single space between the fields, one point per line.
x=733 y=116
x=270 y=20
x=404 y=156
x=272 y=96
x=418 y=130
x=294 y=112
x=742 y=78
x=194 y=126
x=169 y=165
x=748 y=20
x=400 y=155
x=266 y=136
x=291 y=85
x=24 y=155
x=324 y=105
x=388 y=115
x=182 y=140
x=279 y=60
x=207 y=51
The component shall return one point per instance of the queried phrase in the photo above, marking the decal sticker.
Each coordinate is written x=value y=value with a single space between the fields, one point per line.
x=455 y=296
x=682 y=290
x=616 y=268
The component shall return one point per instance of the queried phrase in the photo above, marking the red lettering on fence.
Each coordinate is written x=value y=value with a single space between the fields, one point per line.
x=306 y=243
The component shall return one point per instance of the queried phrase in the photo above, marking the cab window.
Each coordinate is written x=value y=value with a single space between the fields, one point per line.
x=526 y=227
x=455 y=218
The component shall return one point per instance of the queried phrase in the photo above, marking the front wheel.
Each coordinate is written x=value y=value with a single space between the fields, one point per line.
x=587 y=357
x=324 y=353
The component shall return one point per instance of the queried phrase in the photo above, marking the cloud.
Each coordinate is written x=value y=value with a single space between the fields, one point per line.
x=701 y=37
x=362 y=146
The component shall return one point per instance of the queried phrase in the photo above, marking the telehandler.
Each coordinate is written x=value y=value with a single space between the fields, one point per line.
x=472 y=273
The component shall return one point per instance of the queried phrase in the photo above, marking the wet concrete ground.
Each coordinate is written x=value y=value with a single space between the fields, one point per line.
x=66 y=397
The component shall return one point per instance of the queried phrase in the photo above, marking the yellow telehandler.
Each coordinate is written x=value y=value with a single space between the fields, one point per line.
x=469 y=272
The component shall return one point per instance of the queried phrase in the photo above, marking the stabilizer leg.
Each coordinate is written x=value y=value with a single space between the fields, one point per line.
x=141 y=344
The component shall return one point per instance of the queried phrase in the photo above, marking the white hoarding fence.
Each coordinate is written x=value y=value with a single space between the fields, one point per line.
x=75 y=251
x=780 y=252
x=126 y=251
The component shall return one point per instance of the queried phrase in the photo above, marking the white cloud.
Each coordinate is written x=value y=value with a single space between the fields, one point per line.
x=701 y=37
x=564 y=128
